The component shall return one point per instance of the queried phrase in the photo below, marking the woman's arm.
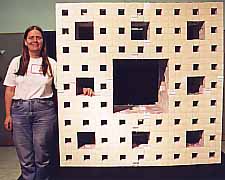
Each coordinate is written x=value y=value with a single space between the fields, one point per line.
x=9 y=93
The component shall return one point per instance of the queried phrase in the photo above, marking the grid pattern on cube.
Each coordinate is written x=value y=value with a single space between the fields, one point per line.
x=180 y=124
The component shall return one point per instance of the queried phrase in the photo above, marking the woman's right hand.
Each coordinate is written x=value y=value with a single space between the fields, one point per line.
x=8 y=123
x=9 y=93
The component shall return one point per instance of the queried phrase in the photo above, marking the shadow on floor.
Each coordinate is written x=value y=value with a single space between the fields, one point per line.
x=206 y=172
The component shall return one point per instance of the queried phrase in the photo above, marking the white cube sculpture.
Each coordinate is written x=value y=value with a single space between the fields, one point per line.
x=157 y=73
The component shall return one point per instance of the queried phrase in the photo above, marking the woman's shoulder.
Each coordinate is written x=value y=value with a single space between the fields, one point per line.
x=15 y=60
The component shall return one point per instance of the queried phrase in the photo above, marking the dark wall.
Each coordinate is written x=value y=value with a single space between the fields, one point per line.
x=12 y=44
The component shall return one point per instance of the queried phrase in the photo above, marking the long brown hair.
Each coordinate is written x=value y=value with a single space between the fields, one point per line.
x=25 y=58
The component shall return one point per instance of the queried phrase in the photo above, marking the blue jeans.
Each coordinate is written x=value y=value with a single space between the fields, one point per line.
x=34 y=123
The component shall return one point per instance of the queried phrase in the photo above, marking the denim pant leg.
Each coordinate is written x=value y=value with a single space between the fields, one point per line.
x=23 y=138
x=44 y=124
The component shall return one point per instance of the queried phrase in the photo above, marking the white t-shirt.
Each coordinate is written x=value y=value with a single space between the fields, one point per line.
x=33 y=84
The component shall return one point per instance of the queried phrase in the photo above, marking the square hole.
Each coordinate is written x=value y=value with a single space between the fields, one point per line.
x=85 y=122
x=159 y=49
x=122 y=139
x=194 y=138
x=104 y=157
x=85 y=138
x=103 y=122
x=67 y=122
x=102 y=49
x=195 y=48
x=212 y=154
x=213 y=11
x=102 y=11
x=176 y=156
x=195 y=85
x=66 y=104
x=140 y=49
x=213 y=48
x=195 y=11
x=195 y=121
x=122 y=121
x=213 y=102
x=139 y=30
x=140 y=121
x=66 y=67
x=195 y=103
x=121 y=11
x=121 y=30
x=212 y=120
x=82 y=83
x=69 y=157
x=102 y=30
x=66 y=86
x=212 y=137
x=158 y=121
x=121 y=49
x=177 y=49
x=68 y=140
x=158 y=156
x=140 y=11
x=104 y=140
x=146 y=75
x=158 y=12
x=65 y=30
x=103 y=86
x=195 y=30
x=122 y=157
x=194 y=155
x=158 y=139
x=158 y=31
x=66 y=49
x=141 y=156
x=84 y=49
x=213 y=66
x=213 y=84
x=103 y=67
x=177 y=103
x=84 y=31
x=195 y=67
x=65 y=12
x=139 y=138
x=85 y=104
x=87 y=157
x=177 y=30
x=176 y=139
x=176 y=11
x=177 y=85
x=84 y=68
x=103 y=104
x=83 y=11
x=213 y=29
x=177 y=67
x=176 y=121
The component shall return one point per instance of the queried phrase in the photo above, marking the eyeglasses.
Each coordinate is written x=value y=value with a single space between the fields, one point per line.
x=33 y=38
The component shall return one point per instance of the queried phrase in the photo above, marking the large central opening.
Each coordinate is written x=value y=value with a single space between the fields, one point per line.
x=138 y=82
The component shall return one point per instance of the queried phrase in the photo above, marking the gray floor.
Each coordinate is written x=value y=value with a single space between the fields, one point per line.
x=9 y=170
x=9 y=166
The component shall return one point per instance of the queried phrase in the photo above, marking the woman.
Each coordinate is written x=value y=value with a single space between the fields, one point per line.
x=29 y=105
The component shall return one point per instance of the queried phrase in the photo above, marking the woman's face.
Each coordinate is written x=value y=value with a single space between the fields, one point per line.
x=34 y=41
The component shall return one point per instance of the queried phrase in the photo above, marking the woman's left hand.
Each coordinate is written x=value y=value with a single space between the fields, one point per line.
x=88 y=92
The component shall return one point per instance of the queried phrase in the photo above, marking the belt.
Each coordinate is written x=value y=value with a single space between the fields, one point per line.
x=34 y=99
